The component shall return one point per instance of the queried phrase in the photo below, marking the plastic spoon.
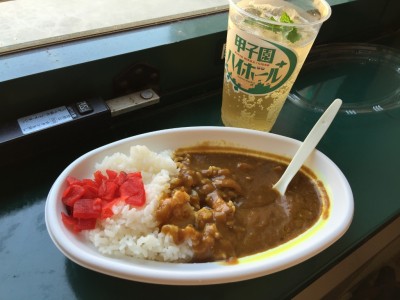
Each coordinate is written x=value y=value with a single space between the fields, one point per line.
x=308 y=146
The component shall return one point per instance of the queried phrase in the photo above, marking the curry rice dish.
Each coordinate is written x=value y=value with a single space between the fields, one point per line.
x=207 y=204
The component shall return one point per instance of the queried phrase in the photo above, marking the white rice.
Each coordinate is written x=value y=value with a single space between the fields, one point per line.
x=133 y=232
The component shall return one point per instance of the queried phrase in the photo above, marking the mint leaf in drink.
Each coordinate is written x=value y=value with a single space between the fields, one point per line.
x=290 y=33
x=274 y=28
x=285 y=18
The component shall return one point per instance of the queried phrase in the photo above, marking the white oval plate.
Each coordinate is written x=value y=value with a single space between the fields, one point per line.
x=325 y=232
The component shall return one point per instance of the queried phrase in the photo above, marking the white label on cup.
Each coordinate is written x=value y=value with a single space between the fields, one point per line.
x=256 y=66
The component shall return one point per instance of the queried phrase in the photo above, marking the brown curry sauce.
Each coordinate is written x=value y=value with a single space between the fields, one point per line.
x=223 y=201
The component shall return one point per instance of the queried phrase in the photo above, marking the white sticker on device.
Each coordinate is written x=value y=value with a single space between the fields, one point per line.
x=44 y=119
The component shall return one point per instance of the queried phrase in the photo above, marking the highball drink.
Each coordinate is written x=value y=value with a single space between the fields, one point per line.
x=267 y=44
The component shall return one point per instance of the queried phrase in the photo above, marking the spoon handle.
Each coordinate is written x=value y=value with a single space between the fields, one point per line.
x=308 y=146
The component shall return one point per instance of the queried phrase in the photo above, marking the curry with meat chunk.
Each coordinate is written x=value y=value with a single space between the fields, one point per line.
x=223 y=201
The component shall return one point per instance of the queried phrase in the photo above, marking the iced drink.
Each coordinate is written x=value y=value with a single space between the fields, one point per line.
x=267 y=44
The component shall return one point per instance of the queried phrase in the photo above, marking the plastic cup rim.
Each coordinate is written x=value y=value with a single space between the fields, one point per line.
x=263 y=20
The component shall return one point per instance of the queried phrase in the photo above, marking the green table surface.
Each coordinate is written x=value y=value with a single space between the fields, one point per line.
x=365 y=147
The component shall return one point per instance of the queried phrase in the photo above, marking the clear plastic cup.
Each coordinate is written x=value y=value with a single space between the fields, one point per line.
x=267 y=44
